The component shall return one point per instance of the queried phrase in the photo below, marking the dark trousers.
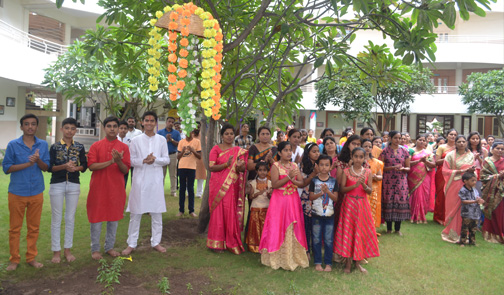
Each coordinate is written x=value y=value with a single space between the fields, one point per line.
x=308 y=231
x=468 y=229
x=397 y=225
x=323 y=230
x=186 y=180
x=126 y=180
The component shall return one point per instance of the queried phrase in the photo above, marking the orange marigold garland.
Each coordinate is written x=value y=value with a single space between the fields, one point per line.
x=182 y=66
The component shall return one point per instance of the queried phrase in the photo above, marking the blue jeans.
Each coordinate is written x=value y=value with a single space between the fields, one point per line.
x=186 y=181
x=323 y=228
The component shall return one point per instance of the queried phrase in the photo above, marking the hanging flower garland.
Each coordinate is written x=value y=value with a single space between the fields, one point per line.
x=182 y=67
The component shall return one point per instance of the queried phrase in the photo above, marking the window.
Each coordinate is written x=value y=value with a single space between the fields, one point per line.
x=466 y=125
x=404 y=123
x=495 y=130
x=481 y=126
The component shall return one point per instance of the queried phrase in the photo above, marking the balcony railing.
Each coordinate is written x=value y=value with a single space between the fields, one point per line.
x=29 y=40
x=446 y=38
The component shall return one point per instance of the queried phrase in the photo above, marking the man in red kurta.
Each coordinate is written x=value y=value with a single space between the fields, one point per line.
x=109 y=159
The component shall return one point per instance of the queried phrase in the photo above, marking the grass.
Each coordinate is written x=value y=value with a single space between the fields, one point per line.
x=417 y=263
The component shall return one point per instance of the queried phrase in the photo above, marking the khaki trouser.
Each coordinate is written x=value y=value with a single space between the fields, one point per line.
x=173 y=173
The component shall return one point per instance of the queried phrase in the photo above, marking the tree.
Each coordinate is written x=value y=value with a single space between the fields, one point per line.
x=484 y=93
x=272 y=47
x=358 y=97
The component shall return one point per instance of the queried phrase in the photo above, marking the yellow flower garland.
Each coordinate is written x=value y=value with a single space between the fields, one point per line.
x=211 y=53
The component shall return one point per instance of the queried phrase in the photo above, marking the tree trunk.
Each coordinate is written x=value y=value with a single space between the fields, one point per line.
x=207 y=141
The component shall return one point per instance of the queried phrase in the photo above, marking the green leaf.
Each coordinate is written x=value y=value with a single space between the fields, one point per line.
x=284 y=28
x=319 y=61
x=450 y=14
x=59 y=3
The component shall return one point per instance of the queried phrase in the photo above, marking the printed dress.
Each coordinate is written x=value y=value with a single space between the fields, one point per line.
x=395 y=200
x=356 y=235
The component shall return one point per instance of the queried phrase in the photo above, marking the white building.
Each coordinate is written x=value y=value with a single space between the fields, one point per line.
x=33 y=33
x=476 y=45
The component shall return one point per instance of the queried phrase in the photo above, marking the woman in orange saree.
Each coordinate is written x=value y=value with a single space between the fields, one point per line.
x=420 y=180
x=227 y=194
x=492 y=174
x=442 y=151
x=376 y=167
x=456 y=163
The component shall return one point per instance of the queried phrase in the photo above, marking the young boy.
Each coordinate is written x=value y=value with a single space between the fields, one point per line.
x=189 y=150
x=109 y=159
x=259 y=192
x=470 y=210
x=323 y=194
x=68 y=159
x=25 y=159
x=149 y=154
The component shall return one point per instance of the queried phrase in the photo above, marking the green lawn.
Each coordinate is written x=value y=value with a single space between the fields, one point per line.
x=417 y=263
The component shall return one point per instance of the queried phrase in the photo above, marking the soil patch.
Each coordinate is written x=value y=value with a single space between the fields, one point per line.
x=181 y=232
x=81 y=282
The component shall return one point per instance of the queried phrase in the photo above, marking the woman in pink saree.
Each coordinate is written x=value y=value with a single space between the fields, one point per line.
x=420 y=180
x=283 y=241
x=456 y=163
x=492 y=175
x=227 y=194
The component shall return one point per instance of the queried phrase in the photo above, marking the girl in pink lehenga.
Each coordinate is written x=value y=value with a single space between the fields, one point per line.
x=283 y=241
x=420 y=180
x=456 y=163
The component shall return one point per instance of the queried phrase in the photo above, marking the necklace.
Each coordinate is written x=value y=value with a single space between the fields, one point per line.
x=285 y=167
x=356 y=174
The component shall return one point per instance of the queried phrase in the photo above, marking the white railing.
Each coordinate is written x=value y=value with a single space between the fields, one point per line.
x=447 y=38
x=30 y=41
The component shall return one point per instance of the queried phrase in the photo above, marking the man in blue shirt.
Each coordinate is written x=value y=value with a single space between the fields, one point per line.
x=172 y=139
x=25 y=159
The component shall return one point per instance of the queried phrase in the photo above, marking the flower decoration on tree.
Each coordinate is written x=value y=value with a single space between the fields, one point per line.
x=183 y=66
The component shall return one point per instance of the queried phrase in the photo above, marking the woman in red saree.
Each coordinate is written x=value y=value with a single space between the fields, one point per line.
x=456 y=163
x=492 y=175
x=227 y=194
x=442 y=151
x=420 y=180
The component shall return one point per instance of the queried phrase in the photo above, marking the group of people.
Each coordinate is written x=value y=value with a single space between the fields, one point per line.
x=305 y=197
x=328 y=198
x=146 y=155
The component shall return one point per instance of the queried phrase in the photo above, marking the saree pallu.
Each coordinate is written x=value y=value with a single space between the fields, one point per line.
x=226 y=201
x=257 y=156
x=493 y=192
x=355 y=235
x=375 y=197
x=283 y=240
x=419 y=183
x=454 y=183
x=256 y=223
x=439 y=206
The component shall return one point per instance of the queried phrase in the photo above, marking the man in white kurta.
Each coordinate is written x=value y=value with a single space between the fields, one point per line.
x=149 y=153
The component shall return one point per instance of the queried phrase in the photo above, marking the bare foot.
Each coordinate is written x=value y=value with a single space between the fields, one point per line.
x=127 y=251
x=361 y=269
x=96 y=255
x=389 y=232
x=308 y=255
x=462 y=245
x=398 y=233
x=318 y=267
x=68 y=256
x=159 y=248
x=113 y=253
x=347 y=270
x=378 y=234
x=56 y=257
x=328 y=268
x=12 y=266
x=36 y=264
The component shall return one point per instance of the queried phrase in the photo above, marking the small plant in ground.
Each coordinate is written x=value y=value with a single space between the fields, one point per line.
x=164 y=285
x=268 y=292
x=109 y=274
x=293 y=289
x=189 y=288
